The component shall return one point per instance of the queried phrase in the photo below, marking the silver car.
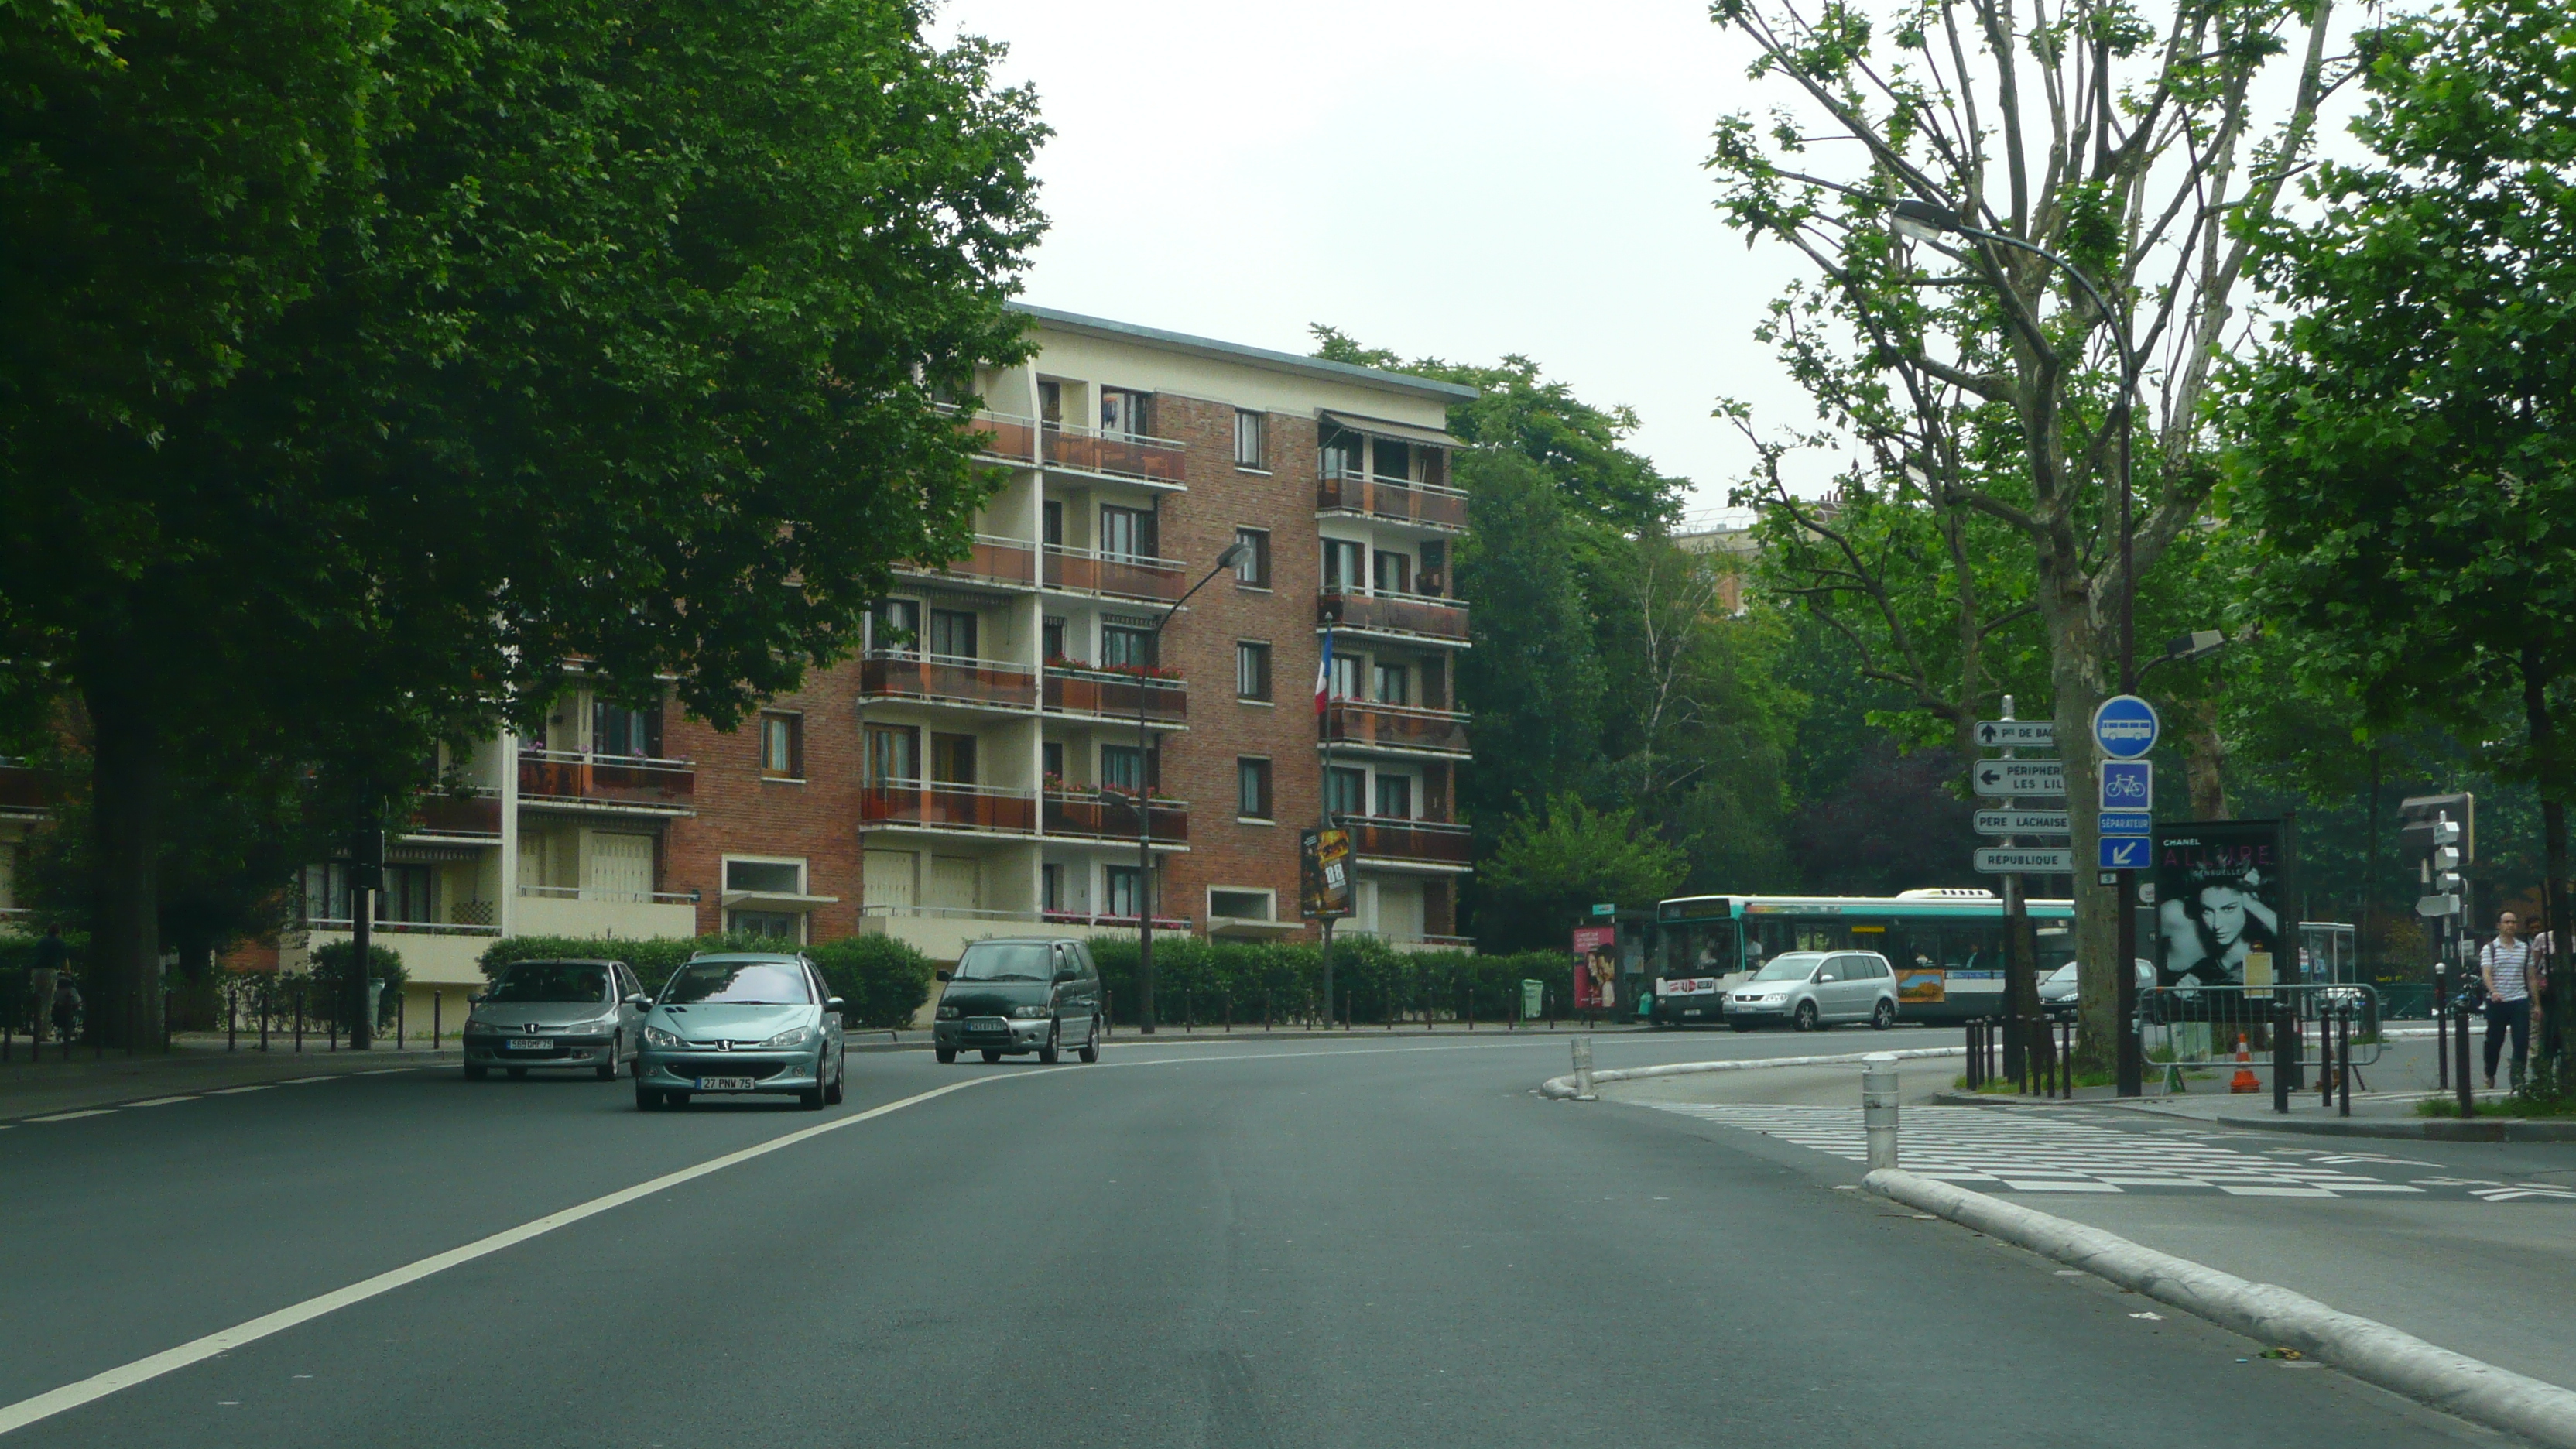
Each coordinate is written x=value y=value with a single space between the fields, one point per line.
x=554 y=1014
x=1812 y=990
x=2057 y=991
x=741 y=1022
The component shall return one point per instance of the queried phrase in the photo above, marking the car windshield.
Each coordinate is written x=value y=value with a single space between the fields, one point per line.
x=2062 y=975
x=1004 y=961
x=737 y=983
x=1796 y=966
x=551 y=981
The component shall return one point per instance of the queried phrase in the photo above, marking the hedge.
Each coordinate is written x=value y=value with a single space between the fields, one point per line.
x=328 y=996
x=882 y=982
x=1201 y=980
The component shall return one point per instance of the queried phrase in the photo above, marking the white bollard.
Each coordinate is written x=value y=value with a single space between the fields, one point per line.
x=1583 y=1069
x=1878 y=1107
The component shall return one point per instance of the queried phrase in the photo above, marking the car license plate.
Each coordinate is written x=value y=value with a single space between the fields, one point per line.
x=987 y=1023
x=1690 y=1011
x=724 y=1084
x=531 y=1044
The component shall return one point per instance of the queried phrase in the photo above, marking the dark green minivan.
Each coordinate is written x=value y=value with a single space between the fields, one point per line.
x=1026 y=994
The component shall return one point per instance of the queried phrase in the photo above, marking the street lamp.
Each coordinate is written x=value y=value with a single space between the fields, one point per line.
x=2197 y=645
x=1928 y=222
x=1145 y=802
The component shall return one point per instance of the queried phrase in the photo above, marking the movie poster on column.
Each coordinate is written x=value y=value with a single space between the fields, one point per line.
x=2222 y=892
x=1596 y=968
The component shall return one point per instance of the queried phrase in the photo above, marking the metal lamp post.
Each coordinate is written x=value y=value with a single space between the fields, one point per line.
x=1145 y=806
x=1927 y=221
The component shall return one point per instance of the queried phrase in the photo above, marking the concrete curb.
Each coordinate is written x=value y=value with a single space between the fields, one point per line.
x=2368 y=1350
x=1562 y=1088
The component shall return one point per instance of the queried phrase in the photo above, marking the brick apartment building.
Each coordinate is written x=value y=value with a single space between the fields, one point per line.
x=974 y=771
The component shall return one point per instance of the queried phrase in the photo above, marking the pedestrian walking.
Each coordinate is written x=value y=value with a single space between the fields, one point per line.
x=46 y=969
x=2504 y=967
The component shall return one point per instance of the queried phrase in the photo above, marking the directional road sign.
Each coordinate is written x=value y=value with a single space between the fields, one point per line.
x=2125 y=852
x=2128 y=785
x=2427 y=906
x=2021 y=822
x=2140 y=823
x=2125 y=726
x=2017 y=860
x=2004 y=734
x=2018 y=777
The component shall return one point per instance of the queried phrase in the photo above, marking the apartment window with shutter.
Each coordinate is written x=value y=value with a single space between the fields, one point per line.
x=1252 y=570
x=1251 y=670
x=1126 y=533
x=1345 y=791
x=952 y=633
x=897 y=625
x=1051 y=637
x=1391 y=682
x=1251 y=440
x=1122 y=413
x=782 y=746
x=1051 y=526
x=1394 y=572
x=1342 y=568
x=1252 y=788
x=1127 y=641
x=1395 y=797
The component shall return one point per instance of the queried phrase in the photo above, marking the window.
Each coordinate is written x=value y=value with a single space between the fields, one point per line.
x=1345 y=791
x=1051 y=887
x=1391 y=459
x=1051 y=756
x=1345 y=682
x=952 y=633
x=1392 y=680
x=1126 y=641
x=1122 y=413
x=1122 y=881
x=952 y=759
x=1251 y=670
x=1051 y=528
x=1435 y=569
x=1395 y=797
x=1124 y=767
x=1240 y=905
x=628 y=733
x=782 y=925
x=1342 y=564
x=897 y=624
x=1252 y=788
x=766 y=877
x=1051 y=637
x=1341 y=453
x=1394 y=572
x=1253 y=569
x=1251 y=439
x=782 y=746
x=1126 y=533
x=1051 y=402
x=894 y=753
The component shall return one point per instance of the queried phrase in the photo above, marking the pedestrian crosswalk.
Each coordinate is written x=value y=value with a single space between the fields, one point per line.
x=1995 y=1149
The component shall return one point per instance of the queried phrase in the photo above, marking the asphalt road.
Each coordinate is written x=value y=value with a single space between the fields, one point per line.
x=1242 y=1245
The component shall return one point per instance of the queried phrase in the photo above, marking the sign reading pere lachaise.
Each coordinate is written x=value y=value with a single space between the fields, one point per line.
x=2221 y=893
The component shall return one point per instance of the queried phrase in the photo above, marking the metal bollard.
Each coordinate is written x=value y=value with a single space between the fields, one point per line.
x=1583 y=1069
x=2460 y=1061
x=1878 y=1107
x=2343 y=1059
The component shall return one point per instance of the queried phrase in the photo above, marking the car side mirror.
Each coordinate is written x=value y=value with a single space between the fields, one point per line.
x=941 y=975
x=833 y=1005
x=475 y=1000
x=640 y=1001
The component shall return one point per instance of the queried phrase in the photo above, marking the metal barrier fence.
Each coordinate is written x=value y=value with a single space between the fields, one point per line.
x=2198 y=1026
x=2044 y=1064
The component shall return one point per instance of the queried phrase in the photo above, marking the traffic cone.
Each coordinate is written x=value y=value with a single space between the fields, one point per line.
x=2244 y=1080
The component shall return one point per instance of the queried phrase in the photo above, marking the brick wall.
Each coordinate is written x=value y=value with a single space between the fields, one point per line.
x=740 y=813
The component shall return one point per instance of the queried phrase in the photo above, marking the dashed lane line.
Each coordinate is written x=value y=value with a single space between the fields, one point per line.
x=159 y=1101
x=72 y=1116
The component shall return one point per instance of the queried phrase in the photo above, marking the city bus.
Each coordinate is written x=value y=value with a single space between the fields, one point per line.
x=1947 y=946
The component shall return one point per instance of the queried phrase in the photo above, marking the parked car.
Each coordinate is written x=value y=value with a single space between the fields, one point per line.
x=554 y=1014
x=741 y=1022
x=1812 y=990
x=2057 y=989
x=1008 y=997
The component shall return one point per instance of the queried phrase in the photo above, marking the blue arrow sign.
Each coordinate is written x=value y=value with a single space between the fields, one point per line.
x=2139 y=824
x=2125 y=727
x=2125 y=852
x=2128 y=785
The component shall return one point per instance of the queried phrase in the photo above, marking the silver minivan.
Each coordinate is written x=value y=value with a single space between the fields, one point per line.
x=1812 y=990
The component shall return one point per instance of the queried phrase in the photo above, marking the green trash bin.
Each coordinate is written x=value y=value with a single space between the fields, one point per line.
x=1533 y=999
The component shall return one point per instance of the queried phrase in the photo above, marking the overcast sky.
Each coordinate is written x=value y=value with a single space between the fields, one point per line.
x=1441 y=178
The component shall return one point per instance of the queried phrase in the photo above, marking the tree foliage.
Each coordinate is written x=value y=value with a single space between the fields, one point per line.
x=1555 y=862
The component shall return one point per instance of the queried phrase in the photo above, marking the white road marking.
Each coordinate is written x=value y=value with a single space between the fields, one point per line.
x=69 y=1116
x=98 y=1386
x=382 y=1072
x=237 y=1091
x=160 y=1101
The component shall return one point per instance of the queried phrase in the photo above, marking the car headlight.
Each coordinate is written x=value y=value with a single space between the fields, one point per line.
x=792 y=1037
x=1028 y=1013
x=656 y=1036
x=946 y=1013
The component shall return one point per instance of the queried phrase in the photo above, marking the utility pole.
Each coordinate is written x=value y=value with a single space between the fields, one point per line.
x=366 y=873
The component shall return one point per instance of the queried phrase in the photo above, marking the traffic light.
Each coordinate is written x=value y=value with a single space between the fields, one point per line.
x=2440 y=833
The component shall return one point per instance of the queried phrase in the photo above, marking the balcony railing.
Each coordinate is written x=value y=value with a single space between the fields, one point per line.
x=1006 y=562
x=1395 y=727
x=1004 y=438
x=478 y=814
x=1106 y=694
x=400 y=928
x=594 y=893
x=1429 y=841
x=569 y=776
x=1395 y=499
x=1091 y=918
x=23 y=787
x=1111 y=815
x=896 y=674
x=945 y=805
x=1413 y=615
x=1117 y=575
x=1114 y=455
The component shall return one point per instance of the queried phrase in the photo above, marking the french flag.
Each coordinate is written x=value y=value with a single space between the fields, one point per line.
x=1324 y=674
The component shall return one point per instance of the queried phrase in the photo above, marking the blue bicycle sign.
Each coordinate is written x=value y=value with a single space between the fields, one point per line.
x=2128 y=784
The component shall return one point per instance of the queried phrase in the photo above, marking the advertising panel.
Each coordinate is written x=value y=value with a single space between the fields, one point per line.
x=2221 y=893
x=1324 y=873
x=1596 y=968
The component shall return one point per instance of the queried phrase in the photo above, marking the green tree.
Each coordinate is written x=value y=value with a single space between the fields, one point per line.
x=2402 y=448
x=1555 y=863
x=1532 y=682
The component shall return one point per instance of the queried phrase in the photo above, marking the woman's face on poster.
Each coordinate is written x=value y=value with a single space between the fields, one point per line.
x=2222 y=914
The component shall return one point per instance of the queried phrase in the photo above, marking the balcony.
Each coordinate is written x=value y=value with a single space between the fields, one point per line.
x=1410 y=842
x=1081 y=814
x=1002 y=563
x=939 y=679
x=1090 y=918
x=1000 y=437
x=623 y=783
x=1394 y=727
x=471 y=817
x=1394 y=500
x=24 y=790
x=1403 y=616
x=1130 y=457
x=946 y=805
x=1075 y=689
x=1114 y=575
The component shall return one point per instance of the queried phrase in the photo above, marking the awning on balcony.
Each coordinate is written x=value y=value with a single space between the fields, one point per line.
x=1247 y=927
x=1401 y=432
x=776 y=901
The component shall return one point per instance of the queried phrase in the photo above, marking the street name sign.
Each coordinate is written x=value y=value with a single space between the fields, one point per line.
x=2125 y=824
x=2018 y=777
x=2005 y=734
x=2128 y=785
x=2017 y=860
x=2125 y=726
x=2022 y=822
x=2125 y=852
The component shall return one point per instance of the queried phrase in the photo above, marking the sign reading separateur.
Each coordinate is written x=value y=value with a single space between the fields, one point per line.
x=2015 y=860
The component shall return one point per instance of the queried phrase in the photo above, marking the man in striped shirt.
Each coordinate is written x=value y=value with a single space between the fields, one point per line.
x=2505 y=965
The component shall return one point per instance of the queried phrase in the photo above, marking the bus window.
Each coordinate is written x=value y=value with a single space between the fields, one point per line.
x=1695 y=948
x=2055 y=946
